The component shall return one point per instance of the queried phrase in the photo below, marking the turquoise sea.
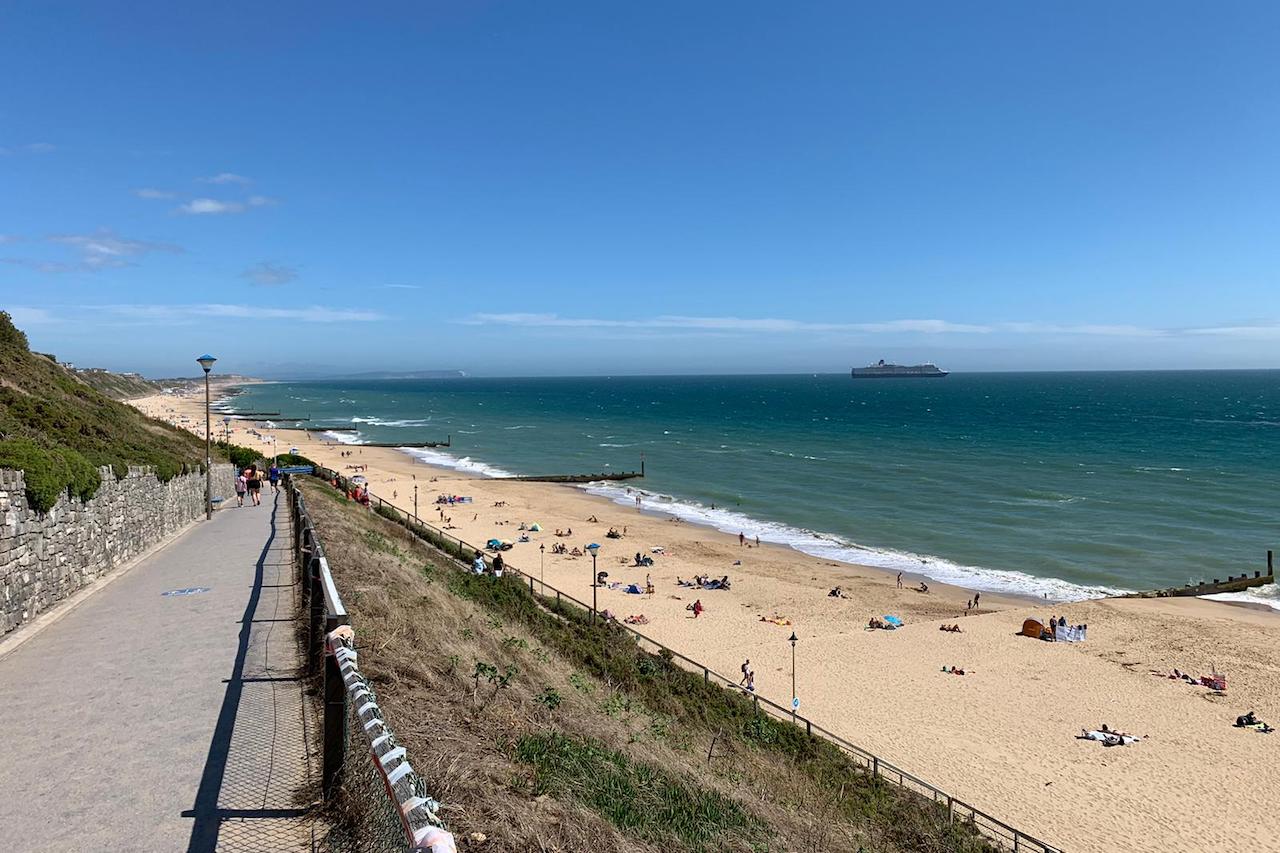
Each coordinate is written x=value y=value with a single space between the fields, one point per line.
x=1065 y=484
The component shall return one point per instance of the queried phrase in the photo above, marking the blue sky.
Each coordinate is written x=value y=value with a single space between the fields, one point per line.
x=595 y=187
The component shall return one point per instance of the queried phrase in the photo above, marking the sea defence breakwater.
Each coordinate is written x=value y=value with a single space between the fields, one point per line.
x=47 y=557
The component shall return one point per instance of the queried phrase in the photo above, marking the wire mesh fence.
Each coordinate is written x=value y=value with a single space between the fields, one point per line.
x=994 y=829
x=375 y=801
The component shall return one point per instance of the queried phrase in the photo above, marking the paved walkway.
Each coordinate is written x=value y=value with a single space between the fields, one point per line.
x=151 y=722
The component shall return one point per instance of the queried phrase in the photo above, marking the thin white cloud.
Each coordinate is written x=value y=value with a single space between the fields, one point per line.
x=25 y=316
x=29 y=148
x=725 y=324
x=268 y=274
x=103 y=249
x=152 y=193
x=207 y=206
x=213 y=206
x=171 y=313
x=9 y=239
x=403 y=286
x=927 y=327
x=1265 y=331
x=225 y=178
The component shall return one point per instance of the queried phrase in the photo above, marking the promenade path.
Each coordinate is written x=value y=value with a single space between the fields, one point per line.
x=145 y=721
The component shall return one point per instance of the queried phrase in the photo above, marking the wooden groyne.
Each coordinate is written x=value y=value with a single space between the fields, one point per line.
x=576 y=478
x=448 y=442
x=252 y=414
x=1231 y=584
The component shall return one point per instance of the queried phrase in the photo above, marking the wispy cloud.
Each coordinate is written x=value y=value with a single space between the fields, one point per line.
x=206 y=206
x=225 y=178
x=213 y=206
x=29 y=148
x=729 y=325
x=9 y=239
x=152 y=193
x=724 y=324
x=103 y=249
x=403 y=286
x=26 y=316
x=178 y=313
x=268 y=274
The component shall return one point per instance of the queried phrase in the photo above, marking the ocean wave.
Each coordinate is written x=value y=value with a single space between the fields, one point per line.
x=830 y=547
x=606 y=444
x=458 y=463
x=521 y=426
x=406 y=422
x=1267 y=596
x=345 y=437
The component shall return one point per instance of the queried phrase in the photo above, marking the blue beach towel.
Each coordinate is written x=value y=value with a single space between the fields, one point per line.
x=894 y=621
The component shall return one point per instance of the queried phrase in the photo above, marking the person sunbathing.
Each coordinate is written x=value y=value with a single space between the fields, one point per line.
x=575 y=552
x=924 y=587
x=873 y=622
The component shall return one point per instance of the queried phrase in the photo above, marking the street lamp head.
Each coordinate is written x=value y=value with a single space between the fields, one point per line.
x=593 y=548
x=793 y=638
x=206 y=361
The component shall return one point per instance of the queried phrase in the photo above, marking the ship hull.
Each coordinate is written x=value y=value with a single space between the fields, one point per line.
x=938 y=375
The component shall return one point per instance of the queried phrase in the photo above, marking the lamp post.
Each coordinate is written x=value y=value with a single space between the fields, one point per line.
x=793 y=640
x=542 y=566
x=415 y=503
x=226 y=431
x=594 y=549
x=206 y=361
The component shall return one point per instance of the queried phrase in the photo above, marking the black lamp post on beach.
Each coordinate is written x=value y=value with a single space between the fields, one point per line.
x=793 y=640
x=226 y=431
x=594 y=549
x=206 y=361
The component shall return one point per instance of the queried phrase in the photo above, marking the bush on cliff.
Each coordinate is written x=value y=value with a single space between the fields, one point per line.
x=56 y=428
x=50 y=472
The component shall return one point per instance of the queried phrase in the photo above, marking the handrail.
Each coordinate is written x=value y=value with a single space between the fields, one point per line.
x=992 y=827
x=350 y=699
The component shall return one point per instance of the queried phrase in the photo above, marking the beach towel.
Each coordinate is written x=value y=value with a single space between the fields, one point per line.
x=894 y=621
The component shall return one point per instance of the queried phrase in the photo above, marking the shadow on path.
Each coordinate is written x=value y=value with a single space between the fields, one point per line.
x=258 y=757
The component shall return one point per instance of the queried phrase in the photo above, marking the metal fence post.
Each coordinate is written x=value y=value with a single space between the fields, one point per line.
x=335 y=724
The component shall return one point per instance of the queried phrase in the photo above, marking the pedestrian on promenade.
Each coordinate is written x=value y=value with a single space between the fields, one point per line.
x=498 y=565
x=746 y=668
x=274 y=476
x=242 y=486
x=253 y=479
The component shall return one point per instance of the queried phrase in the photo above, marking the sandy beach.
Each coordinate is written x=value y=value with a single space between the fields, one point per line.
x=1002 y=736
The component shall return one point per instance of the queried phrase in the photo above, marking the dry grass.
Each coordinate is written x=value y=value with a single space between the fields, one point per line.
x=471 y=689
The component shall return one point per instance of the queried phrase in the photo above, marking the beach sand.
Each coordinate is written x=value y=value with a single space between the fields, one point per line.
x=1002 y=737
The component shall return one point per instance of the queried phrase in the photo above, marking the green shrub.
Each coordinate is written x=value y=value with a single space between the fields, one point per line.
x=49 y=472
x=641 y=799
x=76 y=428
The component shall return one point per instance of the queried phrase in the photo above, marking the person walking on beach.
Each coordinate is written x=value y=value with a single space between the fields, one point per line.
x=746 y=668
x=976 y=596
x=242 y=486
x=742 y=539
x=899 y=580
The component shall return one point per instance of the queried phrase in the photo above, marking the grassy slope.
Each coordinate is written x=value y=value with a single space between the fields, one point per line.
x=115 y=386
x=58 y=429
x=545 y=734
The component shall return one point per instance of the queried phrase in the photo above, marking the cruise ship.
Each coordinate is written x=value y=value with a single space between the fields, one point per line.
x=880 y=370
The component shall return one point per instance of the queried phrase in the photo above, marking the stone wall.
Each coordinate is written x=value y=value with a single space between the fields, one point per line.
x=46 y=558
